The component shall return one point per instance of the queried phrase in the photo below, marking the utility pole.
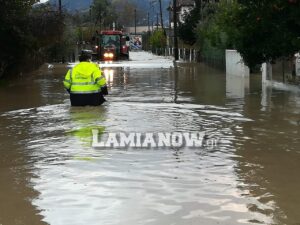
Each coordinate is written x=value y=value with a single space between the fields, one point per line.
x=176 y=55
x=90 y=12
x=60 y=7
x=152 y=14
x=170 y=15
x=152 y=24
x=148 y=18
x=135 y=21
x=161 y=16
x=157 y=21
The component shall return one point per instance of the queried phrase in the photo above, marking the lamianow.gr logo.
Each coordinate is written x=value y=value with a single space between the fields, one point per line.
x=153 y=140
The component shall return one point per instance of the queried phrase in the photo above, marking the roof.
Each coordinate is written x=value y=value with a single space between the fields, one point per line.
x=111 y=32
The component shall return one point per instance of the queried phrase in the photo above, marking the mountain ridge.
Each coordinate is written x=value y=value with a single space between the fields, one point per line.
x=144 y=5
x=73 y=5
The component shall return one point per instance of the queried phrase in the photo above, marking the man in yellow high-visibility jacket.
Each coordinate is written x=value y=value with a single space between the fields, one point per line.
x=85 y=83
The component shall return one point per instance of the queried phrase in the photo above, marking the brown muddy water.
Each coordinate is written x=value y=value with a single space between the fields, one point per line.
x=50 y=174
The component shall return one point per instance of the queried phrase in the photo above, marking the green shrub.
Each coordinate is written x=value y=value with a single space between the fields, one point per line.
x=158 y=39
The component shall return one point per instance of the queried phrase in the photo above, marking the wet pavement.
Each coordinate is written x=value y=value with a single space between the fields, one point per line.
x=50 y=174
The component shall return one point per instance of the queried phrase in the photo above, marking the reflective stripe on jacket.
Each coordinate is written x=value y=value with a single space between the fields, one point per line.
x=84 y=78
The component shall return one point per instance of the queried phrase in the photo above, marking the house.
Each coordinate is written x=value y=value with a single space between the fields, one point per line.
x=184 y=7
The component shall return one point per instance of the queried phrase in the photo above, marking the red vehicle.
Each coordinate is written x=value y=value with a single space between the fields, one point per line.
x=111 y=45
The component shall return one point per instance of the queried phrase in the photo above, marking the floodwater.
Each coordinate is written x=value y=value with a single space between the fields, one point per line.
x=50 y=173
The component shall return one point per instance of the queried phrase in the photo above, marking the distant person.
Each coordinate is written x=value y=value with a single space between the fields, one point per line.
x=85 y=83
x=137 y=42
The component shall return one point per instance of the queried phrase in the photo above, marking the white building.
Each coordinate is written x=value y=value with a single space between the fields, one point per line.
x=139 y=29
x=184 y=7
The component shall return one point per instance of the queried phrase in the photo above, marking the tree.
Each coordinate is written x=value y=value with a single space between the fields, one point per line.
x=14 y=31
x=187 y=29
x=125 y=10
x=200 y=14
x=262 y=30
x=125 y=13
x=46 y=25
x=158 y=39
x=26 y=32
x=103 y=13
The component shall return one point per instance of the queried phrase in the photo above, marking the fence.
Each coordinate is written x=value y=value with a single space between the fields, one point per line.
x=284 y=70
x=212 y=58
x=185 y=54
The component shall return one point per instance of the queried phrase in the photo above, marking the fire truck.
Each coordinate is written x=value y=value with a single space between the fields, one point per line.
x=111 y=45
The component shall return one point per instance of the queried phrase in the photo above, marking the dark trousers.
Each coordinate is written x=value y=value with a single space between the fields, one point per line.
x=95 y=99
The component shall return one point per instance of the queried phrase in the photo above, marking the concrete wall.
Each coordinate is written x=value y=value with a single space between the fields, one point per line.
x=237 y=86
x=267 y=72
x=235 y=64
x=297 y=66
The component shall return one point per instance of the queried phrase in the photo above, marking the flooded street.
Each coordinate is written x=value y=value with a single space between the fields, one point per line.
x=50 y=174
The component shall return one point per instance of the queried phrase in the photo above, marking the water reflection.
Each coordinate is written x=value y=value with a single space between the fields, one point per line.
x=270 y=154
x=266 y=98
x=84 y=120
x=237 y=86
x=16 y=170
x=251 y=177
x=109 y=75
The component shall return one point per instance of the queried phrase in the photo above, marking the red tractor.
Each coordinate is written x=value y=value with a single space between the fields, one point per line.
x=111 y=45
